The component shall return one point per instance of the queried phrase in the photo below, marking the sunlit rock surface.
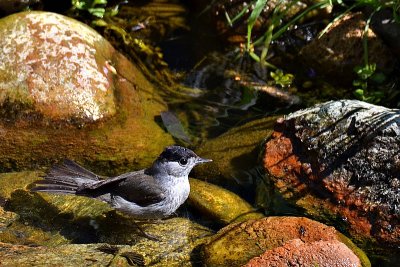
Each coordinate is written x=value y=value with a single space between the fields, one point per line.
x=54 y=66
x=219 y=204
x=340 y=161
x=298 y=253
x=66 y=92
x=66 y=255
x=339 y=50
x=236 y=244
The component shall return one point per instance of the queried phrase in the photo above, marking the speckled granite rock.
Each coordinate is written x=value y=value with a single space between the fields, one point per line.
x=66 y=92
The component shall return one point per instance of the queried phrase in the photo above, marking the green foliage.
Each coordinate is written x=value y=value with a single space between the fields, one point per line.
x=97 y=8
x=282 y=79
x=367 y=73
x=275 y=29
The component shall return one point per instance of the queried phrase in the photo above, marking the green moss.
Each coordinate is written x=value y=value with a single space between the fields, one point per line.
x=9 y=182
x=234 y=152
x=220 y=204
x=360 y=254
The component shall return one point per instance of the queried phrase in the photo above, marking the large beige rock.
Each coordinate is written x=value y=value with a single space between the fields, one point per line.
x=66 y=92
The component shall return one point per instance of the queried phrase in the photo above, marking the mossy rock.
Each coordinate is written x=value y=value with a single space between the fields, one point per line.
x=65 y=92
x=52 y=222
x=234 y=152
x=219 y=204
x=236 y=244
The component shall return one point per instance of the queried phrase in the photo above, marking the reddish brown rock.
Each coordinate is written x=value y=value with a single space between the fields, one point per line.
x=330 y=253
x=339 y=161
x=236 y=244
x=339 y=50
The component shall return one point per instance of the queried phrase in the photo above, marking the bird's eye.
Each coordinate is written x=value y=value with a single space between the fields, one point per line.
x=183 y=161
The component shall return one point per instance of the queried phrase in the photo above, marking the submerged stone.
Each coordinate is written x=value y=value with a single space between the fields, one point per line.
x=66 y=92
x=234 y=153
x=236 y=244
x=219 y=204
x=340 y=161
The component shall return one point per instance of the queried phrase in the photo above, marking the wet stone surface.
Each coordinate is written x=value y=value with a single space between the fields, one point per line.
x=220 y=205
x=65 y=92
x=298 y=253
x=236 y=244
x=341 y=160
x=44 y=228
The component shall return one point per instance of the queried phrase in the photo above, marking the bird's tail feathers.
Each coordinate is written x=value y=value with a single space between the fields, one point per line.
x=65 y=178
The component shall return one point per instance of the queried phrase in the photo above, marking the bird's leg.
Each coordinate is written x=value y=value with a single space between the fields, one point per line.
x=149 y=236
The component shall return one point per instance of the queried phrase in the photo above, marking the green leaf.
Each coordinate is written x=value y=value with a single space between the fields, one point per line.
x=228 y=19
x=359 y=93
x=241 y=13
x=254 y=56
x=98 y=11
x=99 y=2
x=258 y=8
x=79 y=4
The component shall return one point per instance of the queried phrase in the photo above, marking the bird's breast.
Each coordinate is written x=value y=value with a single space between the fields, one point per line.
x=176 y=193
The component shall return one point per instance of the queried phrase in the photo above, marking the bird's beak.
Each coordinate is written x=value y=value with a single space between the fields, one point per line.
x=201 y=160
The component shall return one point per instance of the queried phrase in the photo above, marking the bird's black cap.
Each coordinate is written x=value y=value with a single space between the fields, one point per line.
x=175 y=153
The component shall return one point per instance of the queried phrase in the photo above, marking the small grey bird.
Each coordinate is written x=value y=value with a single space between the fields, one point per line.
x=152 y=193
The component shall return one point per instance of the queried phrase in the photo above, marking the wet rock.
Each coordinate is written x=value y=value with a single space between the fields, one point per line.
x=340 y=162
x=236 y=244
x=6 y=218
x=40 y=219
x=66 y=255
x=66 y=92
x=336 y=53
x=234 y=153
x=219 y=204
x=298 y=253
x=9 y=182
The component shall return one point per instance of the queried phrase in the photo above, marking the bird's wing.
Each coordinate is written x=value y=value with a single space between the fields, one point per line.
x=136 y=187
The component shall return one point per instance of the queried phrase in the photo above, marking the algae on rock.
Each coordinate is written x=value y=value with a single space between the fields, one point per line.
x=54 y=105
